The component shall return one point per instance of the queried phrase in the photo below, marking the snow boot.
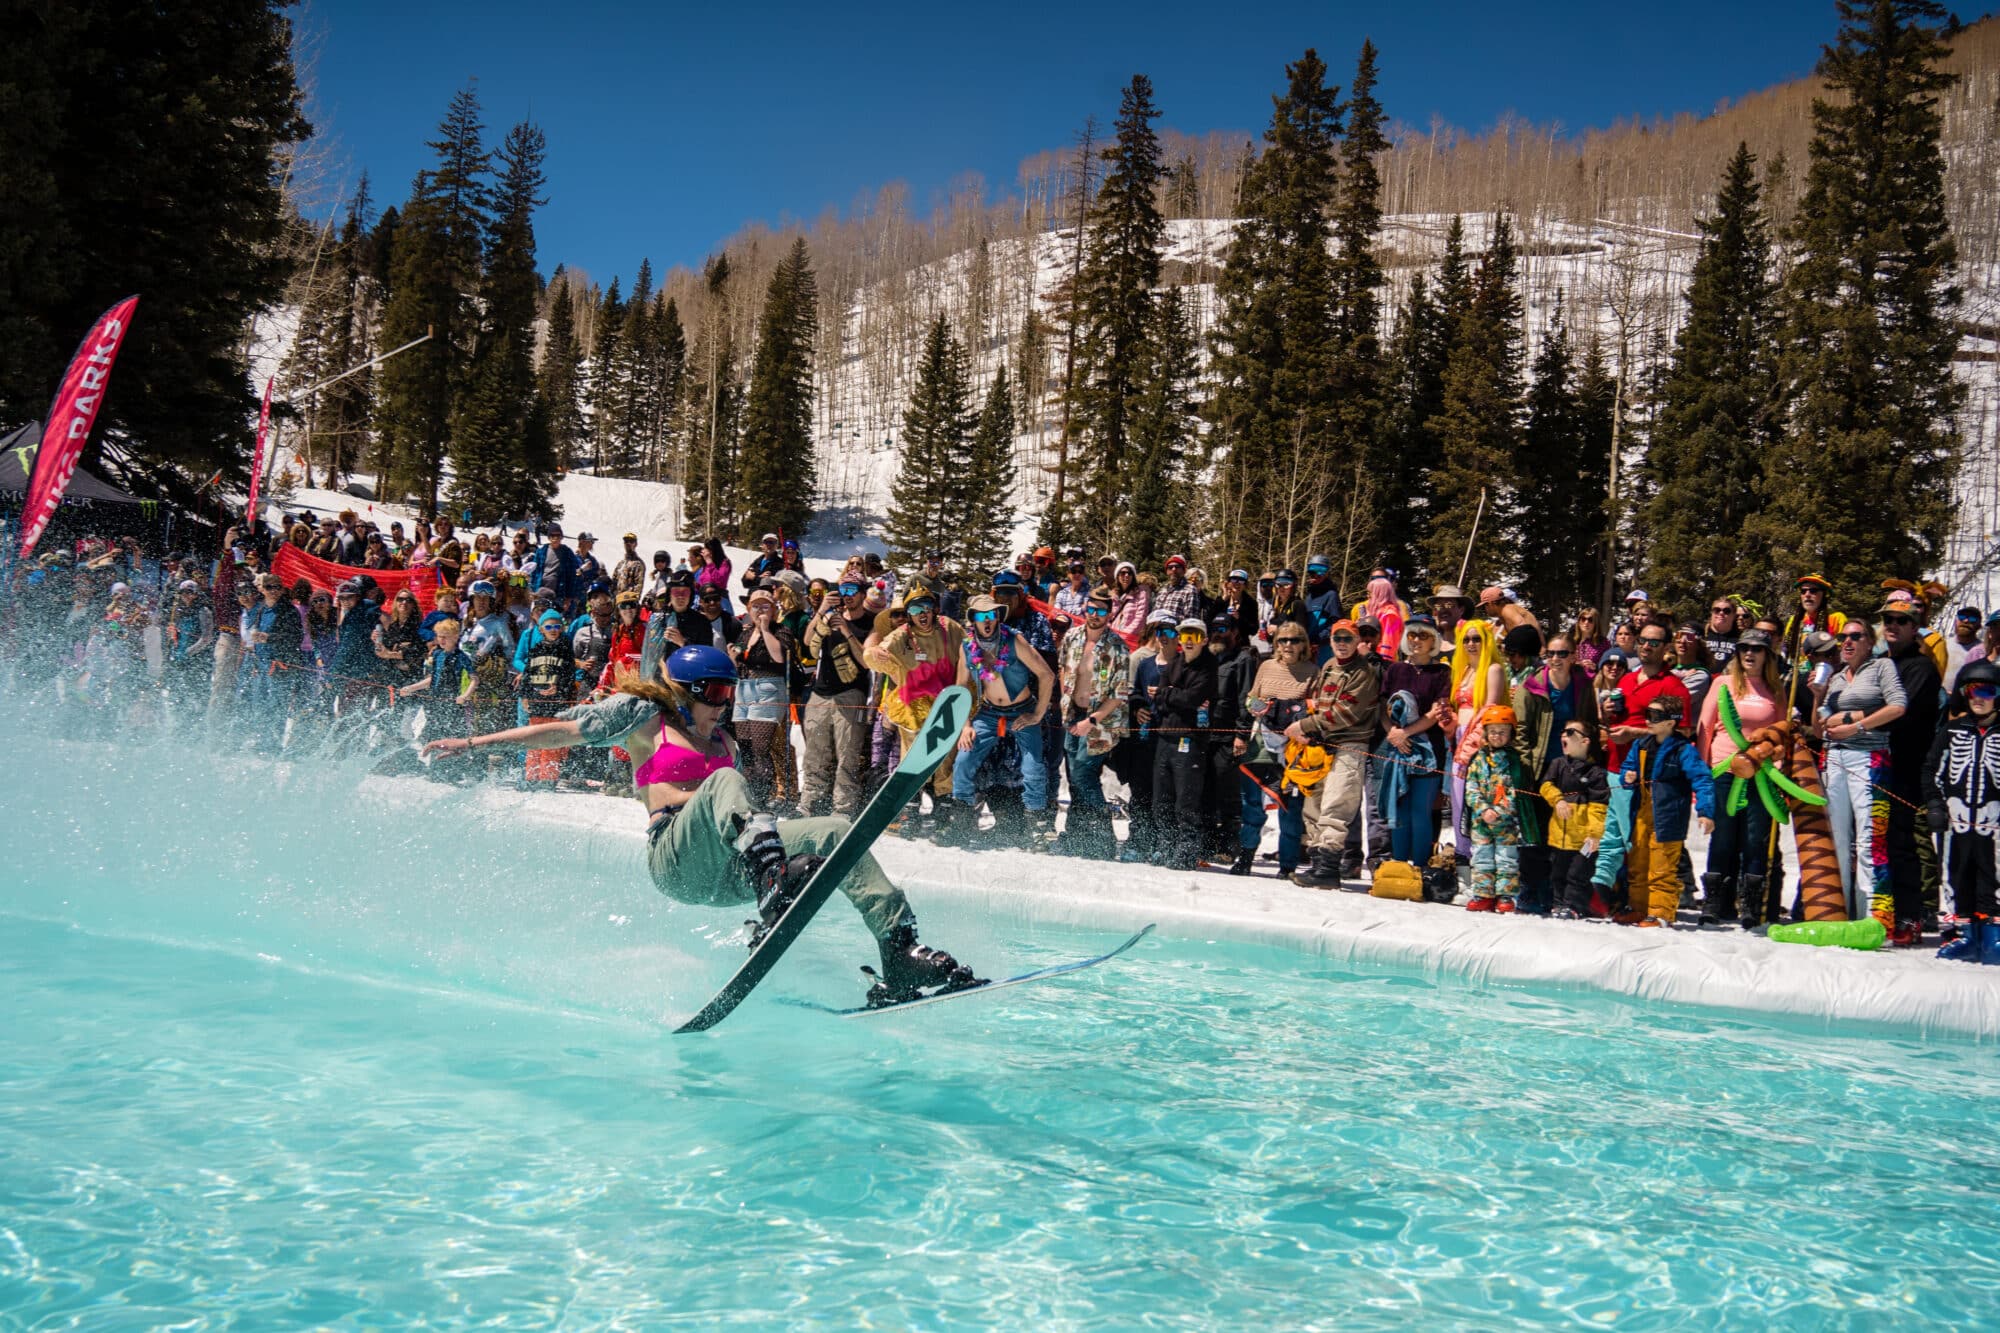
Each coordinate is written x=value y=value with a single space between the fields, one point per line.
x=910 y=968
x=1966 y=948
x=1718 y=899
x=1750 y=902
x=1989 y=941
x=1322 y=871
x=1245 y=858
x=1486 y=904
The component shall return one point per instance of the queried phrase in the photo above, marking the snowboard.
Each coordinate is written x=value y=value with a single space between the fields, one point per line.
x=987 y=987
x=934 y=742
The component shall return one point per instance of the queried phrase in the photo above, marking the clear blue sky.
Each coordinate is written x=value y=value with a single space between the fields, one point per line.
x=671 y=125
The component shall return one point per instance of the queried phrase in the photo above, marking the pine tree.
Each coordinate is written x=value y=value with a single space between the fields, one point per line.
x=777 y=469
x=341 y=412
x=606 y=385
x=1414 y=388
x=435 y=273
x=1480 y=427
x=1161 y=517
x=1274 y=339
x=1356 y=431
x=1861 y=485
x=504 y=462
x=1717 y=423
x=924 y=514
x=559 y=382
x=1114 y=294
x=1565 y=476
x=1597 y=403
x=141 y=151
x=714 y=412
x=670 y=353
x=983 y=501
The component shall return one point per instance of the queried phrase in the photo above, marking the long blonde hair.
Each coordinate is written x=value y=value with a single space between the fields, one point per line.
x=659 y=691
x=1463 y=661
x=1739 y=682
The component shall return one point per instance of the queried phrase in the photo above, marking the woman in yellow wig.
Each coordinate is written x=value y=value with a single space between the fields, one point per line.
x=1478 y=677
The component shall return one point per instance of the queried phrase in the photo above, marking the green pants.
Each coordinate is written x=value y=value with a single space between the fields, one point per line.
x=694 y=860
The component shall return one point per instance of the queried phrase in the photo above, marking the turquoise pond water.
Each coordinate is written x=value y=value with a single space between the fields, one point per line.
x=276 y=1055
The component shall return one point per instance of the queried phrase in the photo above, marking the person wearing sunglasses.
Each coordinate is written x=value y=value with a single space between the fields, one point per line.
x=837 y=719
x=1182 y=704
x=1913 y=865
x=1276 y=699
x=1961 y=792
x=1012 y=687
x=1852 y=709
x=1287 y=607
x=1734 y=881
x=1813 y=616
x=1654 y=679
x=707 y=843
x=920 y=659
x=1346 y=697
x=1095 y=667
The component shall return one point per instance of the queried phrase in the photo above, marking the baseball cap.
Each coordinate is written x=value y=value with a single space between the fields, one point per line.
x=1195 y=623
x=1637 y=595
x=1243 y=574
x=1161 y=618
x=189 y=585
x=767 y=537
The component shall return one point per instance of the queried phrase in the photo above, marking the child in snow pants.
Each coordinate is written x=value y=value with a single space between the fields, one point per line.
x=1494 y=817
x=1665 y=775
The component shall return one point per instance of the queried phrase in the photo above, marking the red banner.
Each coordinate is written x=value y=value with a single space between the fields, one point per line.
x=66 y=429
x=291 y=564
x=257 y=463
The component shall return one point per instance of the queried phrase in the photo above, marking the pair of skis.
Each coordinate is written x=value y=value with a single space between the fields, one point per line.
x=934 y=743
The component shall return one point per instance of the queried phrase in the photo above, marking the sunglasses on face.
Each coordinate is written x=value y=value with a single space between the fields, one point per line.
x=1315 y=570
x=850 y=590
x=713 y=598
x=1897 y=620
x=1345 y=638
x=1168 y=634
x=1721 y=610
x=984 y=617
x=1195 y=637
x=922 y=608
x=1854 y=638
x=1100 y=612
x=1290 y=643
x=1652 y=643
x=1558 y=652
x=714 y=693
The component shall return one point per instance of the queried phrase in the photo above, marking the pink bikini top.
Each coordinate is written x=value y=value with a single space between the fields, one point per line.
x=677 y=763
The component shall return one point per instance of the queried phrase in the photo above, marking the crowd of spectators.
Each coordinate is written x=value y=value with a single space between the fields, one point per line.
x=1479 y=741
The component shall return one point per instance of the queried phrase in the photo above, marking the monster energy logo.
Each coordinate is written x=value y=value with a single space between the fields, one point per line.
x=148 y=508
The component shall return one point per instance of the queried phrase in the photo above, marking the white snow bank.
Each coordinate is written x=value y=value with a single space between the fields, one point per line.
x=1841 y=988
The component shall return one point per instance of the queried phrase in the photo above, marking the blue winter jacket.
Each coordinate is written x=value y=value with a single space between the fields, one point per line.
x=1674 y=773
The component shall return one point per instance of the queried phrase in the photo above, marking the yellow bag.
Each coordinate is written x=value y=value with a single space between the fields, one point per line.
x=1399 y=880
x=1306 y=764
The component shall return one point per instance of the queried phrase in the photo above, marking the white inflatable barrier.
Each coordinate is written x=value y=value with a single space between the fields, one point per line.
x=1911 y=990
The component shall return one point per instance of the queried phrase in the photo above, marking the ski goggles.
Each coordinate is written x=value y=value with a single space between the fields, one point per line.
x=1167 y=632
x=922 y=608
x=850 y=590
x=1982 y=691
x=1193 y=636
x=715 y=691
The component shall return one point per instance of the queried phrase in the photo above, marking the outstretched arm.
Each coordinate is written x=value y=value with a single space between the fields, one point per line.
x=539 y=736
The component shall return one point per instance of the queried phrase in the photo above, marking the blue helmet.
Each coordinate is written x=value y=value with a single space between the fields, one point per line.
x=699 y=662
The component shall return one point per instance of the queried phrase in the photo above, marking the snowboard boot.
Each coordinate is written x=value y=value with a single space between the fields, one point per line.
x=1718 y=899
x=1322 y=871
x=1245 y=858
x=1750 y=902
x=1966 y=948
x=909 y=969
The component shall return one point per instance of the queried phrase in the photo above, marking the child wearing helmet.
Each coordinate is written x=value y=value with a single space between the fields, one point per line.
x=706 y=843
x=1498 y=822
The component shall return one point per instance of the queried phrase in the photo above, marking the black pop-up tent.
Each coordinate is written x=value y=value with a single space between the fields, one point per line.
x=19 y=447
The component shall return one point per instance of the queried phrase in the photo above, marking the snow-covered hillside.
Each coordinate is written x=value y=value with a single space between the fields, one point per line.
x=1621 y=282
